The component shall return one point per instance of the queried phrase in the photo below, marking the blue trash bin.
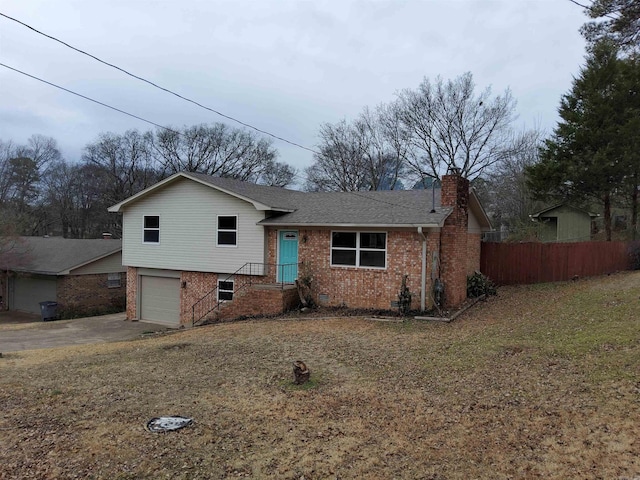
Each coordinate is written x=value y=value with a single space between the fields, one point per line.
x=49 y=310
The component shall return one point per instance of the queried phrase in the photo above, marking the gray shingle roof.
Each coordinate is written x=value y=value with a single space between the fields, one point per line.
x=291 y=207
x=395 y=207
x=57 y=255
x=275 y=197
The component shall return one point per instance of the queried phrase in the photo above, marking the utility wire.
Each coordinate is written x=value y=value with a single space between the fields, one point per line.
x=156 y=85
x=157 y=124
x=90 y=99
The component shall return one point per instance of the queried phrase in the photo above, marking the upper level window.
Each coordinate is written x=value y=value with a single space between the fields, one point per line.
x=228 y=230
x=151 y=229
x=359 y=249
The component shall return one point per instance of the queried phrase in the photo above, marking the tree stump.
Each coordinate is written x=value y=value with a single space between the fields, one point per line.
x=300 y=372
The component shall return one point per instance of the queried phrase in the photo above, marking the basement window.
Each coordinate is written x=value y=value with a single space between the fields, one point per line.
x=151 y=229
x=227 y=231
x=114 y=280
x=359 y=249
x=225 y=290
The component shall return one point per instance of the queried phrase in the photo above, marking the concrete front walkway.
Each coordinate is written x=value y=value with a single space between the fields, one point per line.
x=26 y=332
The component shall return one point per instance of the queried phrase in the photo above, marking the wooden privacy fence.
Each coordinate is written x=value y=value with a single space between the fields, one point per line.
x=520 y=263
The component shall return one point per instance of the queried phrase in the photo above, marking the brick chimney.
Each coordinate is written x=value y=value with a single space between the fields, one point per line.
x=106 y=236
x=454 y=237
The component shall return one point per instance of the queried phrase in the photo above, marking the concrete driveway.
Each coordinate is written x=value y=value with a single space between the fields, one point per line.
x=26 y=332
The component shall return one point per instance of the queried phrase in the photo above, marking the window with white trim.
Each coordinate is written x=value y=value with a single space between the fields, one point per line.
x=151 y=229
x=359 y=249
x=225 y=290
x=227 y=230
x=114 y=280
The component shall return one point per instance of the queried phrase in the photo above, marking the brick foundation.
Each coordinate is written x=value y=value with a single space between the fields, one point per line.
x=257 y=299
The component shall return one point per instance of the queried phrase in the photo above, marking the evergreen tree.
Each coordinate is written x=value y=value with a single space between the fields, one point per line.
x=589 y=155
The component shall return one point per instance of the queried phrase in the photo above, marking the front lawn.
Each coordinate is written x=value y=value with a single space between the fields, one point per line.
x=541 y=382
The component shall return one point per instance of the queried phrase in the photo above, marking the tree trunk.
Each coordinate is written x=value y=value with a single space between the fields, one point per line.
x=607 y=215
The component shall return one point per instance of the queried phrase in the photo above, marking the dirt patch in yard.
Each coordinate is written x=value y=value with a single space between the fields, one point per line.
x=539 y=382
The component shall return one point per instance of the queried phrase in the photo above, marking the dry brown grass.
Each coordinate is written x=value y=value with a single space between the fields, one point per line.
x=540 y=382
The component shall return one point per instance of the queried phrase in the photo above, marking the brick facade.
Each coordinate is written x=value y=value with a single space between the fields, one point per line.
x=358 y=287
x=80 y=295
x=132 y=293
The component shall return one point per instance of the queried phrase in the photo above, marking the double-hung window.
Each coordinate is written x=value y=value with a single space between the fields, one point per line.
x=151 y=229
x=225 y=290
x=359 y=249
x=227 y=230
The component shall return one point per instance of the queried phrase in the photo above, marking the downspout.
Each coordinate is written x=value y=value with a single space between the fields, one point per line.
x=423 y=279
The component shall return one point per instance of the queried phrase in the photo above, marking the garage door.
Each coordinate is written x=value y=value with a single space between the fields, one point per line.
x=29 y=292
x=160 y=300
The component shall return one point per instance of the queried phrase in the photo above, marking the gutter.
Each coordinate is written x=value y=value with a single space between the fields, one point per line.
x=423 y=278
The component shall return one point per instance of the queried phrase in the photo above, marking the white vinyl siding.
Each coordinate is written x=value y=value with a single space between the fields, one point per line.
x=474 y=225
x=188 y=216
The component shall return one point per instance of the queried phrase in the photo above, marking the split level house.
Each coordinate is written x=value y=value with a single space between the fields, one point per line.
x=199 y=247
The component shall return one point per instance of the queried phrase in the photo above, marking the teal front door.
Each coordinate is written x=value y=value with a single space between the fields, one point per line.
x=288 y=256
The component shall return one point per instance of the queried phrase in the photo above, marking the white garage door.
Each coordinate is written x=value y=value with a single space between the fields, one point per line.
x=160 y=300
x=29 y=292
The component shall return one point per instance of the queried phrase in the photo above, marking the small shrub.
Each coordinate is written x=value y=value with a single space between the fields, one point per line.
x=479 y=284
x=634 y=255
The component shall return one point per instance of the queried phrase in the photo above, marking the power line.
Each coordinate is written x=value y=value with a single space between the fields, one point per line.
x=89 y=98
x=156 y=85
x=157 y=124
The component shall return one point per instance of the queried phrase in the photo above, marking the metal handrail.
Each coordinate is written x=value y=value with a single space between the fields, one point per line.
x=248 y=272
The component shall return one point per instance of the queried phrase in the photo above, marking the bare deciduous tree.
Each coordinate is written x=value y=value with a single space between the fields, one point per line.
x=126 y=161
x=452 y=127
x=215 y=149
x=339 y=165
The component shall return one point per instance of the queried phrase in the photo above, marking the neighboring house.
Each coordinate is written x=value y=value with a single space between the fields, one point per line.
x=83 y=276
x=564 y=223
x=198 y=246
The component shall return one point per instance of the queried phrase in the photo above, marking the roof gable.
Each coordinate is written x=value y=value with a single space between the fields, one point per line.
x=262 y=197
x=548 y=212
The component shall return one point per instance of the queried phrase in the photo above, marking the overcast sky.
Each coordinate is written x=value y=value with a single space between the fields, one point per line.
x=283 y=66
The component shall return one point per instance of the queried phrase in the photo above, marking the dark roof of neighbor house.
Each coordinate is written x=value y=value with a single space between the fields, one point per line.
x=370 y=208
x=550 y=209
x=57 y=255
